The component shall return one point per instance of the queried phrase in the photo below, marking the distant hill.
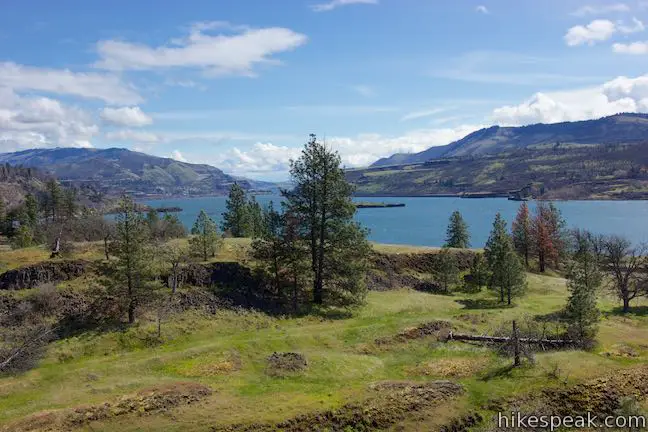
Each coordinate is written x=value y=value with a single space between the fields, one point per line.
x=594 y=159
x=117 y=170
x=616 y=129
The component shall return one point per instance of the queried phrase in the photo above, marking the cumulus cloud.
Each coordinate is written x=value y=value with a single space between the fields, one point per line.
x=30 y=122
x=601 y=9
x=132 y=135
x=619 y=95
x=334 y=4
x=360 y=150
x=126 y=116
x=106 y=87
x=178 y=156
x=596 y=31
x=236 y=51
x=634 y=48
x=482 y=9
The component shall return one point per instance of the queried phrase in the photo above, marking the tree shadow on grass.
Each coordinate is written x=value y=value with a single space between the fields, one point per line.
x=482 y=304
x=332 y=313
x=634 y=311
x=500 y=372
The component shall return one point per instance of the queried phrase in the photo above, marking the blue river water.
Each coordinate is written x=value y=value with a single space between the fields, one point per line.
x=423 y=220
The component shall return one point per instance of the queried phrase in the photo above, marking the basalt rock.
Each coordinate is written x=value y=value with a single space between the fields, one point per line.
x=42 y=273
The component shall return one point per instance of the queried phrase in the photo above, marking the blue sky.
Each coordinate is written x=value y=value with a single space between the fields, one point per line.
x=240 y=84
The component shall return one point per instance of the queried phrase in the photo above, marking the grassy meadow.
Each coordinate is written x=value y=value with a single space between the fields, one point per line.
x=227 y=352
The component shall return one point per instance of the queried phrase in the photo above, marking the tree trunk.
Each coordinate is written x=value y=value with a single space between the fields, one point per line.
x=106 y=248
x=626 y=305
x=516 y=345
x=504 y=339
x=501 y=294
x=541 y=260
x=508 y=292
x=526 y=256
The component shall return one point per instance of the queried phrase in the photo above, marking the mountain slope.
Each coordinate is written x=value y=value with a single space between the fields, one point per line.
x=117 y=170
x=616 y=129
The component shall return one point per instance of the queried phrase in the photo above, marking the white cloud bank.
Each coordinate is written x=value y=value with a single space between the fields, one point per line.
x=30 y=122
x=236 y=51
x=106 y=87
x=621 y=94
x=126 y=116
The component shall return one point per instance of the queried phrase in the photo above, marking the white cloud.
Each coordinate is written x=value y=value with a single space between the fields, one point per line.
x=482 y=9
x=596 y=31
x=178 y=156
x=422 y=114
x=619 y=95
x=361 y=150
x=634 y=48
x=126 y=116
x=637 y=26
x=222 y=54
x=30 y=122
x=601 y=9
x=131 y=135
x=106 y=87
x=333 y=4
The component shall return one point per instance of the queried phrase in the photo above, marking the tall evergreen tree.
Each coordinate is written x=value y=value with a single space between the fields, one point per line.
x=205 y=241
x=457 y=235
x=54 y=199
x=3 y=216
x=478 y=273
x=69 y=204
x=506 y=272
x=130 y=245
x=522 y=238
x=583 y=281
x=235 y=218
x=321 y=203
x=256 y=224
x=548 y=230
x=31 y=211
x=447 y=271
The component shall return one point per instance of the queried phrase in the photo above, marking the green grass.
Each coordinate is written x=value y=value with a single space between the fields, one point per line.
x=343 y=358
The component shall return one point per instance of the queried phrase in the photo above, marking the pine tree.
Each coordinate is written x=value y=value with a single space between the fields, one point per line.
x=256 y=225
x=31 y=211
x=583 y=281
x=130 y=245
x=457 y=235
x=506 y=272
x=205 y=241
x=321 y=203
x=447 y=271
x=236 y=219
x=69 y=203
x=478 y=273
x=54 y=199
x=521 y=228
x=3 y=216
x=548 y=230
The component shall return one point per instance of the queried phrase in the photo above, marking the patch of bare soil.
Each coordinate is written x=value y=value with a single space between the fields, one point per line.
x=280 y=364
x=390 y=403
x=153 y=400
x=432 y=328
x=450 y=368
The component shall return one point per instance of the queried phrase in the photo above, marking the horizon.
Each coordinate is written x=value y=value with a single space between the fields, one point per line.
x=240 y=86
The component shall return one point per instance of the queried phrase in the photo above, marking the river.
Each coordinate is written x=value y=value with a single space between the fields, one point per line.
x=423 y=220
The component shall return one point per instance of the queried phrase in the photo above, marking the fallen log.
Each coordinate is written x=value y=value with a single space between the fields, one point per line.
x=504 y=339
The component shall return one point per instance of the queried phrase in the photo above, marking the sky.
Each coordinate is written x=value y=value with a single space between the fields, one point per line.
x=240 y=84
